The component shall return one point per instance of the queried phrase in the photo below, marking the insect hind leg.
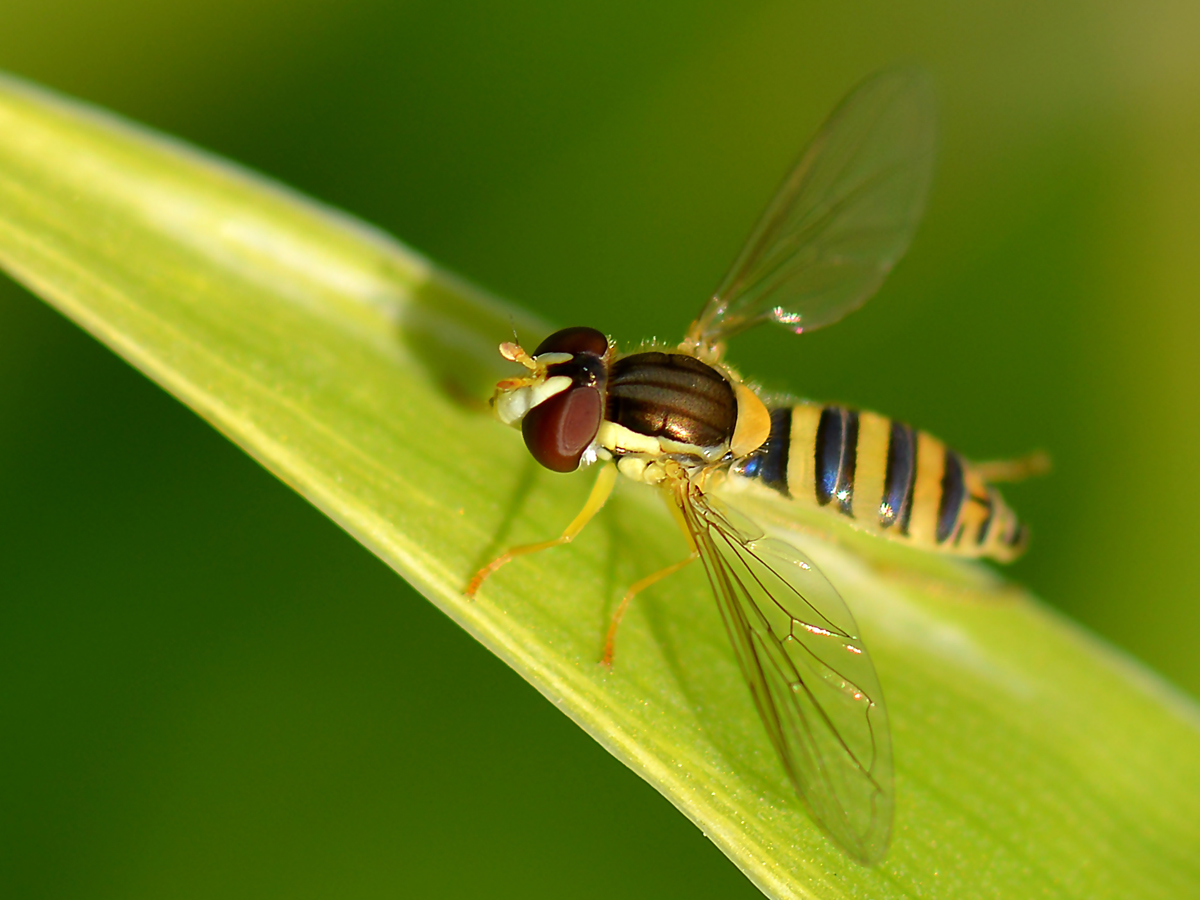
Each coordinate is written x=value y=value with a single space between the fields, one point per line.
x=998 y=471
x=601 y=490
x=641 y=584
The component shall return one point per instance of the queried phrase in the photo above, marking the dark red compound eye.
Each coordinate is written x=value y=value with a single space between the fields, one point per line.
x=559 y=429
x=579 y=339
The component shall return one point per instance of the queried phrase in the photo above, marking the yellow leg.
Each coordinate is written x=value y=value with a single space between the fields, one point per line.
x=595 y=501
x=634 y=590
x=1007 y=470
x=638 y=586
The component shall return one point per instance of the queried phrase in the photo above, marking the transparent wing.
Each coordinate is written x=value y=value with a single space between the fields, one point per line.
x=811 y=678
x=842 y=218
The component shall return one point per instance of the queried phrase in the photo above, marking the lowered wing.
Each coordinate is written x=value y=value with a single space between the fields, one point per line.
x=810 y=676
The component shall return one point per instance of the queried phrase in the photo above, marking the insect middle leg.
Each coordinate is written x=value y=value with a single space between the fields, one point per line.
x=601 y=490
x=640 y=585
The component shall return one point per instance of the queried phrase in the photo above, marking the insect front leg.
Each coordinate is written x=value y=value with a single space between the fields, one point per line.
x=638 y=586
x=601 y=490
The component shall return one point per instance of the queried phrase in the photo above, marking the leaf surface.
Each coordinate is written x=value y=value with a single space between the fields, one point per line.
x=1031 y=759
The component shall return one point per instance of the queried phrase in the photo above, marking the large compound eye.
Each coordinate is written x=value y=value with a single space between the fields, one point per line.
x=560 y=428
x=579 y=339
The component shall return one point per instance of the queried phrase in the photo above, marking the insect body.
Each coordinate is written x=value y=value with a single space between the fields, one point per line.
x=682 y=420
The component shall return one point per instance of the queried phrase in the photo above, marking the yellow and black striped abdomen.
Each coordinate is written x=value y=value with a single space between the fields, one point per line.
x=885 y=477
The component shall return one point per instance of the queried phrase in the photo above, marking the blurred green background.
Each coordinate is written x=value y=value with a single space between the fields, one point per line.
x=208 y=689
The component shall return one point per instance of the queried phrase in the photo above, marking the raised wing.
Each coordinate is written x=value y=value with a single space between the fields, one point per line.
x=811 y=678
x=842 y=218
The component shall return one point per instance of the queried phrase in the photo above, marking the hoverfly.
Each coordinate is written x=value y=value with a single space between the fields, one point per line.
x=683 y=420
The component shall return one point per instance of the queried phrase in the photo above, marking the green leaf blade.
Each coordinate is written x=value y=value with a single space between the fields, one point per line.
x=1031 y=760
